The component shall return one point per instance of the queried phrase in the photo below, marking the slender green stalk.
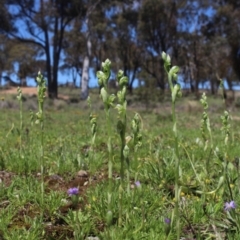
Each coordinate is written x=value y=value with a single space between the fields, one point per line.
x=136 y=134
x=175 y=91
x=42 y=159
x=120 y=205
x=110 y=165
x=121 y=127
x=226 y=131
x=237 y=161
x=110 y=155
x=177 y=165
x=93 y=122
x=126 y=158
x=103 y=78
x=122 y=130
x=122 y=118
x=40 y=120
x=206 y=127
x=19 y=97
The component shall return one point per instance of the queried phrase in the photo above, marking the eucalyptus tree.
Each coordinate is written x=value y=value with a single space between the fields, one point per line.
x=74 y=51
x=198 y=49
x=91 y=6
x=194 y=59
x=27 y=58
x=126 y=41
x=5 y=18
x=157 y=32
x=98 y=13
x=5 y=25
x=20 y=59
x=226 y=24
x=6 y=65
x=44 y=23
x=220 y=31
x=102 y=40
x=86 y=41
x=209 y=43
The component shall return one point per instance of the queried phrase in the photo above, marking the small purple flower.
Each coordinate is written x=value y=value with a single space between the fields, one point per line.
x=72 y=191
x=137 y=184
x=167 y=220
x=229 y=205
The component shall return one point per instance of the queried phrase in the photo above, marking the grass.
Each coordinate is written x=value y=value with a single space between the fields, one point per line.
x=73 y=159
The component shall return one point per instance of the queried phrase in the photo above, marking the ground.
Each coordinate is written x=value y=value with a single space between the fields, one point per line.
x=27 y=90
x=73 y=159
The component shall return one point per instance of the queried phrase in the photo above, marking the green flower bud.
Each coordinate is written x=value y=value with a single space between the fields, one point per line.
x=126 y=151
x=123 y=82
x=119 y=75
x=175 y=92
x=100 y=76
x=104 y=95
x=109 y=218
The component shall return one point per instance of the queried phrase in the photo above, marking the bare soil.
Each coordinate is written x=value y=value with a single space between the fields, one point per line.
x=55 y=226
x=31 y=91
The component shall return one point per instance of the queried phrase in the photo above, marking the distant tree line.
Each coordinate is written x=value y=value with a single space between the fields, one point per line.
x=202 y=37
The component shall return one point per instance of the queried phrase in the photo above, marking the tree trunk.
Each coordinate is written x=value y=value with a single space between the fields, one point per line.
x=74 y=77
x=53 y=89
x=54 y=84
x=130 y=83
x=85 y=77
x=161 y=79
x=86 y=64
x=196 y=86
x=87 y=58
x=58 y=37
x=213 y=86
x=48 y=67
x=229 y=82
x=160 y=83
x=23 y=82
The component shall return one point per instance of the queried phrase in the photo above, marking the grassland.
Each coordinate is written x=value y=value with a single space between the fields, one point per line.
x=209 y=171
